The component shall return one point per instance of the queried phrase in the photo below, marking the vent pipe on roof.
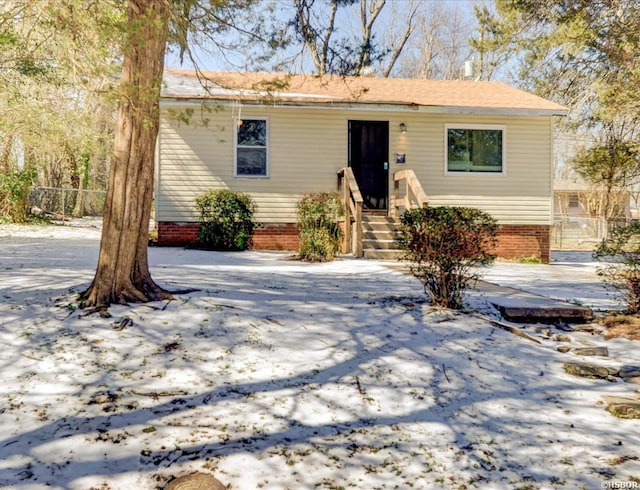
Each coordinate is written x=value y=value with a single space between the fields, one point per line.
x=469 y=69
x=368 y=71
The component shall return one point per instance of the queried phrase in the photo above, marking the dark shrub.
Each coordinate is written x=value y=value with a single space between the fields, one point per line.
x=443 y=245
x=15 y=188
x=226 y=220
x=319 y=221
x=620 y=252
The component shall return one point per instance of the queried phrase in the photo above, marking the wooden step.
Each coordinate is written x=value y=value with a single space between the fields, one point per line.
x=379 y=254
x=379 y=234
x=378 y=244
x=378 y=240
x=383 y=223
x=374 y=212
x=378 y=219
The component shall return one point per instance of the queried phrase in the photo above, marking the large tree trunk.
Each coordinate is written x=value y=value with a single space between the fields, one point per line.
x=123 y=274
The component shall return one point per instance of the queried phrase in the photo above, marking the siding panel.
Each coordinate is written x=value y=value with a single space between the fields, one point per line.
x=307 y=147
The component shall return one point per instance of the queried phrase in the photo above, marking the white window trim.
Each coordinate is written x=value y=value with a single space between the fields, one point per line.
x=235 y=148
x=492 y=127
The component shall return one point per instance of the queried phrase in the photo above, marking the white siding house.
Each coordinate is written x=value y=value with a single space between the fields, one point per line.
x=276 y=137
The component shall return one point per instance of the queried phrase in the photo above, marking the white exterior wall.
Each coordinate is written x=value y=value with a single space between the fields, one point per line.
x=307 y=146
x=523 y=195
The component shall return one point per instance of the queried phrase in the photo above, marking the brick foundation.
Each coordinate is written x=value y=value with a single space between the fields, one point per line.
x=265 y=237
x=177 y=234
x=514 y=241
x=276 y=237
x=518 y=241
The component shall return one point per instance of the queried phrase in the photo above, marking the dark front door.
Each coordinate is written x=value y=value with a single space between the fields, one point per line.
x=369 y=160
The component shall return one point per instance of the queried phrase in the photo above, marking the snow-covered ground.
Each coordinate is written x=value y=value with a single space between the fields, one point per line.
x=278 y=374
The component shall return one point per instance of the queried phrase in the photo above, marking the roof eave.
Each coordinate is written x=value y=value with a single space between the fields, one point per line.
x=177 y=99
x=508 y=111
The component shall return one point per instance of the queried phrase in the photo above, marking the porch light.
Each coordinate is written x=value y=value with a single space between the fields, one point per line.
x=403 y=127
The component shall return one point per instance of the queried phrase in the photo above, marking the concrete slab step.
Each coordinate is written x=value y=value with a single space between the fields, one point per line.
x=523 y=307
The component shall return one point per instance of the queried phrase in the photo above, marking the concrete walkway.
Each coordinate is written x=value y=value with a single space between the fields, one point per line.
x=568 y=289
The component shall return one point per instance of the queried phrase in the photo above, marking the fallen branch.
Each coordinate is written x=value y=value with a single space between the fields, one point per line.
x=158 y=394
x=125 y=322
x=508 y=328
x=444 y=371
x=101 y=310
x=30 y=357
x=185 y=291
x=52 y=215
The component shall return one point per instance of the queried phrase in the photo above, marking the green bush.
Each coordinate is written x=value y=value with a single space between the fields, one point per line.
x=226 y=220
x=443 y=246
x=319 y=221
x=15 y=188
x=620 y=253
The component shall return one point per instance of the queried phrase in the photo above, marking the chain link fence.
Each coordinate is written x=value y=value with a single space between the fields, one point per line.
x=63 y=203
x=577 y=233
x=581 y=233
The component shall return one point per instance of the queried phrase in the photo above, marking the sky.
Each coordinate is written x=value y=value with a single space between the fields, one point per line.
x=347 y=21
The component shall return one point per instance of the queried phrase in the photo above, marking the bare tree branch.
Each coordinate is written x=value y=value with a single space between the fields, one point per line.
x=366 y=24
x=410 y=28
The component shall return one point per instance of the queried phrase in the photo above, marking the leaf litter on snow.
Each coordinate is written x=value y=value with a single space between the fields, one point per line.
x=279 y=374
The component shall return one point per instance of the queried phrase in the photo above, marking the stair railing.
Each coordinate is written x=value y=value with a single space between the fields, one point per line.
x=352 y=199
x=414 y=195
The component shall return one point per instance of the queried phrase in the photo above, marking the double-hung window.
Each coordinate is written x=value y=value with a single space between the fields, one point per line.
x=251 y=148
x=475 y=148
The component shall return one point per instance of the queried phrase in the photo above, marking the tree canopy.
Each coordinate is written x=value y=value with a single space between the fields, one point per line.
x=59 y=61
x=61 y=76
x=584 y=54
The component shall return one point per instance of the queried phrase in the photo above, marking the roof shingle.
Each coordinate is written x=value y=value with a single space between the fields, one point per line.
x=328 y=89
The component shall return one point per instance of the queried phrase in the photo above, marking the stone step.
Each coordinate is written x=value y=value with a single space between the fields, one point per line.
x=623 y=407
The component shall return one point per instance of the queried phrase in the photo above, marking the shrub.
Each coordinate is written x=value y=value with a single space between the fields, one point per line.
x=443 y=245
x=319 y=221
x=226 y=220
x=15 y=188
x=621 y=253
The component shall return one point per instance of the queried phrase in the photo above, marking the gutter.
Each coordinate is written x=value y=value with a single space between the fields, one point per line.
x=391 y=106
